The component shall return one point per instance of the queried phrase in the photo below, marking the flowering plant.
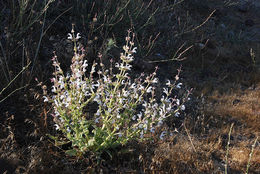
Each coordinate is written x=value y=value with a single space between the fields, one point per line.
x=127 y=109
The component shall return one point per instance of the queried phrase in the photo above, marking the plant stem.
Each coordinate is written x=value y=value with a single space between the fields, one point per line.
x=250 y=155
x=227 y=151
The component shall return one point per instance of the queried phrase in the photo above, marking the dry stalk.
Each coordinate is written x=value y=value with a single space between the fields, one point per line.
x=227 y=151
x=250 y=155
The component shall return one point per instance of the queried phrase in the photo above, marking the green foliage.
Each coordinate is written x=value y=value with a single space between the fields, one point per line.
x=127 y=109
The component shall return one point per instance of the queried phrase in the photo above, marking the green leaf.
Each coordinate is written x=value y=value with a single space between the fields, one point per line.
x=111 y=43
x=91 y=142
x=60 y=143
x=52 y=137
x=109 y=154
x=57 y=141
x=71 y=152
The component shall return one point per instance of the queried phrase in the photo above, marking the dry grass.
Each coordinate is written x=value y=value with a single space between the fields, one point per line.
x=240 y=105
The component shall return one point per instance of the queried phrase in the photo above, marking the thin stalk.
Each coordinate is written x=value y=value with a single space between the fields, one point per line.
x=8 y=78
x=250 y=155
x=23 y=55
x=227 y=151
x=39 y=43
x=24 y=68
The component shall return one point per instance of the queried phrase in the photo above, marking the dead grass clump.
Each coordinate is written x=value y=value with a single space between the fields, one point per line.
x=180 y=157
x=239 y=157
x=241 y=105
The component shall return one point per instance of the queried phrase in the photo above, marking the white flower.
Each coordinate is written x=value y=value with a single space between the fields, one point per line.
x=68 y=129
x=126 y=93
x=56 y=103
x=66 y=104
x=178 y=85
x=134 y=117
x=97 y=120
x=93 y=69
x=57 y=127
x=53 y=89
x=144 y=104
x=87 y=93
x=62 y=97
x=133 y=86
x=68 y=99
x=142 y=135
x=56 y=113
x=141 y=87
x=177 y=114
x=155 y=106
x=78 y=36
x=149 y=90
x=162 y=135
x=69 y=36
x=178 y=102
x=168 y=109
x=139 y=115
x=166 y=91
x=97 y=98
x=78 y=74
x=77 y=83
x=129 y=58
x=155 y=80
x=98 y=113
x=62 y=84
x=183 y=107
x=67 y=75
x=134 y=50
x=106 y=80
x=120 y=100
x=126 y=48
x=126 y=67
x=152 y=130
x=45 y=99
x=53 y=80
x=160 y=123
x=85 y=64
x=95 y=85
x=168 y=83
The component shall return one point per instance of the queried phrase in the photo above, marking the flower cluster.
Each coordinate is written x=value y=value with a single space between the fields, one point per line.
x=127 y=108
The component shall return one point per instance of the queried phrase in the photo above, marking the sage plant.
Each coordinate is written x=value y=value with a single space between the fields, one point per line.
x=127 y=109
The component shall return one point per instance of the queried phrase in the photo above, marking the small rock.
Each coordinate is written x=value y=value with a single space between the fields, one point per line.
x=210 y=44
x=223 y=26
x=236 y=101
x=249 y=23
x=243 y=6
x=52 y=38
